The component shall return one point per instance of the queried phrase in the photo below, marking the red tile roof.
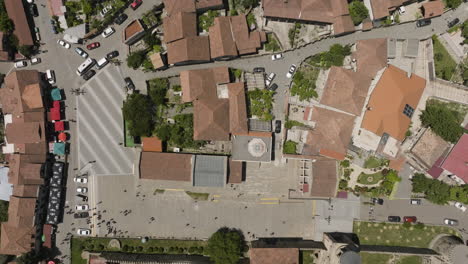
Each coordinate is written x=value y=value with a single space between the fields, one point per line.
x=209 y=4
x=175 y=6
x=235 y=171
x=210 y=120
x=433 y=8
x=191 y=49
x=16 y=240
x=246 y=42
x=24 y=169
x=16 y=12
x=274 y=256
x=382 y=8
x=237 y=108
x=371 y=56
x=221 y=38
x=324 y=178
x=21 y=92
x=180 y=25
x=457 y=161
x=166 y=166
x=153 y=144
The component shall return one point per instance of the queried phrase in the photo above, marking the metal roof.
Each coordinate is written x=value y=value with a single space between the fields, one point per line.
x=210 y=171
x=259 y=125
x=411 y=48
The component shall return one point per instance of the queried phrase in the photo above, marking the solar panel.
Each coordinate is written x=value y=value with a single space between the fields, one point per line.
x=408 y=111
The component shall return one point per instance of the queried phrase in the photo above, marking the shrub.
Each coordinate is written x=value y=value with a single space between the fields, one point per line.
x=343 y=184
x=100 y=247
x=139 y=248
x=419 y=226
x=136 y=59
x=358 y=12
x=90 y=246
x=150 y=249
x=226 y=246
x=125 y=248
x=406 y=224
x=181 y=250
x=192 y=250
x=345 y=163
x=290 y=147
x=443 y=121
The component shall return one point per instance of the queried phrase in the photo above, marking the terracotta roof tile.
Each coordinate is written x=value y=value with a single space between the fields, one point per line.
x=371 y=56
x=433 y=8
x=153 y=144
x=274 y=256
x=246 y=42
x=209 y=4
x=21 y=92
x=21 y=211
x=21 y=190
x=175 y=6
x=192 y=49
x=23 y=133
x=209 y=120
x=388 y=100
x=221 y=39
x=16 y=240
x=324 y=178
x=382 y=8
x=16 y=12
x=237 y=108
x=132 y=29
x=180 y=25
x=24 y=169
x=236 y=171
x=157 y=60
x=166 y=166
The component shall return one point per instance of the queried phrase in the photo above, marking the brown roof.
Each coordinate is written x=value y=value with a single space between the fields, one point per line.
x=346 y=90
x=210 y=120
x=23 y=133
x=331 y=135
x=246 y=42
x=237 y=108
x=221 y=38
x=21 y=190
x=29 y=117
x=166 y=166
x=343 y=24
x=24 y=169
x=175 y=6
x=371 y=56
x=367 y=24
x=16 y=240
x=157 y=60
x=397 y=164
x=21 y=211
x=197 y=83
x=195 y=49
x=132 y=29
x=325 y=11
x=206 y=4
x=153 y=144
x=16 y=12
x=382 y=8
x=324 y=178
x=21 y=92
x=180 y=25
x=274 y=255
x=388 y=100
x=236 y=171
x=433 y=8
x=429 y=148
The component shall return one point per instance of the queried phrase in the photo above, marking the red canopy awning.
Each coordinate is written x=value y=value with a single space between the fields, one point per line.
x=59 y=126
x=56 y=104
x=54 y=114
x=62 y=137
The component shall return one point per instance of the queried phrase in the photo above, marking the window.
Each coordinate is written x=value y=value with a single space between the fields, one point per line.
x=408 y=111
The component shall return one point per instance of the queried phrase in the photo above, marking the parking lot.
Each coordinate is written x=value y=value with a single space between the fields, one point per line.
x=100 y=124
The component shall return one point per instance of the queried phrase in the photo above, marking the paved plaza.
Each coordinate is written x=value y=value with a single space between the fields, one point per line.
x=100 y=124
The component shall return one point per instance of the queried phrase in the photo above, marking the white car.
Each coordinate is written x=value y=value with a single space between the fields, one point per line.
x=63 y=44
x=291 y=71
x=20 y=64
x=270 y=78
x=82 y=207
x=83 y=231
x=278 y=56
x=80 y=180
x=107 y=32
x=460 y=206
x=81 y=52
x=401 y=10
x=81 y=190
x=450 y=222
x=105 y=10
x=35 y=61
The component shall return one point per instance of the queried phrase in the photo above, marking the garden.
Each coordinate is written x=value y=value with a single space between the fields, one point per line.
x=260 y=104
x=444 y=64
x=272 y=43
x=290 y=147
x=406 y=235
x=370 y=179
x=304 y=83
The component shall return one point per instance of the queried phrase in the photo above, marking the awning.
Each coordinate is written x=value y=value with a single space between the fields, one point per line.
x=54 y=114
x=62 y=137
x=56 y=104
x=59 y=126
x=56 y=94
x=59 y=148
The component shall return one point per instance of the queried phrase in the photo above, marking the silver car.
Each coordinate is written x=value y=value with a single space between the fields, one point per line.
x=450 y=222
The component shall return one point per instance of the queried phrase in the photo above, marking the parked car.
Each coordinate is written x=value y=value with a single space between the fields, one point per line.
x=89 y=74
x=63 y=44
x=84 y=198
x=33 y=10
x=291 y=71
x=112 y=54
x=93 y=45
x=270 y=78
x=460 y=206
x=135 y=4
x=258 y=70
x=273 y=87
x=81 y=190
x=20 y=64
x=415 y=201
x=82 y=207
x=80 y=180
x=450 y=222
x=129 y=83
x=81 y=52
x=102 y=62
x=377 y=201
x=53 y=24
x=278 y=126
x=394 y=218
x=108 y=32
x=83 y=231
x=105 y=10
x=401 y=10
x=81 y=215
x=423 y=22
x=410 y=219
x=276 y=56
x=120 y=19
x=50 y=76
x=453 y=22
x=35 y=61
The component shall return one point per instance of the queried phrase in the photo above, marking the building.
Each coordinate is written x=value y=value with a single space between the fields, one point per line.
x=16 y=12
x=432 y=9
x=324 y=178
x=133 y=32
x=334 y=12
x=429 y=148
x=152 y=144
x=210 y=171
x=457 y=160
x=158 y=60
x=166 y=166
x=274 y=255
x=253 y=146
x=174 y=6
x=192 y=50
x=179 y=26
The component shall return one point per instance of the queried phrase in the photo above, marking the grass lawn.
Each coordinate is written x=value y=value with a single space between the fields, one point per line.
x=373 y=162
x=198 y=196
x=165 y=245
x=370 y=179
x=370 y=258
x=306 y=256
x=129 y=140
x=396 y=235
x=444 y=64
x=410 y=260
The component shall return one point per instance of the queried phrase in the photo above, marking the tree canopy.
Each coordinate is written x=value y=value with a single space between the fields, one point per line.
x=443 y=121
x=304 y=86
x=435 y=191
x=137 y=111
x=453 y=3
x=135 y=59
x=157 y=89
x=226 y=246
x=358 y=12
x=246 y=3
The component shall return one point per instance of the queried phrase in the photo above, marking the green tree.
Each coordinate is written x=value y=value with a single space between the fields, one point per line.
x=27 y=258
x=135 y=59
x=435 y=191
x=443 y=121
x=246 y=3
x=151 y=39
x=157 y=90
x=358 y=12
x=3 y=211
x=137 y=112
x=304 y=86
x=6 y=24
x=453 y=3
x=290 y=147
x=226 y=246
x=26 y=50
x=335 y=56
x=87 y=7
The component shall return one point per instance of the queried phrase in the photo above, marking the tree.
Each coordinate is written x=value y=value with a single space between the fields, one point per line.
x=304 y=86
x=358 y=12
x=435 y=191
x=453 y=3
x=443 y=121
x=86 y=7
x=290 y=147
x=151 y=40
x=157 y=90
x=27 y=258
x=137 y=112
x=246 y=3
x=335 y=56
x=135 y=59
x=6 y=24
x=26 y=50
x=226 y=246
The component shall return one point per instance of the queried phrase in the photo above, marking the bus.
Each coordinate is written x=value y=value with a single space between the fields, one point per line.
x=86 y=65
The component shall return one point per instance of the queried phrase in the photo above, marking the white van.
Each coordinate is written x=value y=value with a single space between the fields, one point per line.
x=20 y=64
x=102 y=62
x=86 y=65
x=50 y=76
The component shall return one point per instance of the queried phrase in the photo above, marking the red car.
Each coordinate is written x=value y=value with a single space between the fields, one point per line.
x=93 y=45
x=135 y=4
x=410 y=219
